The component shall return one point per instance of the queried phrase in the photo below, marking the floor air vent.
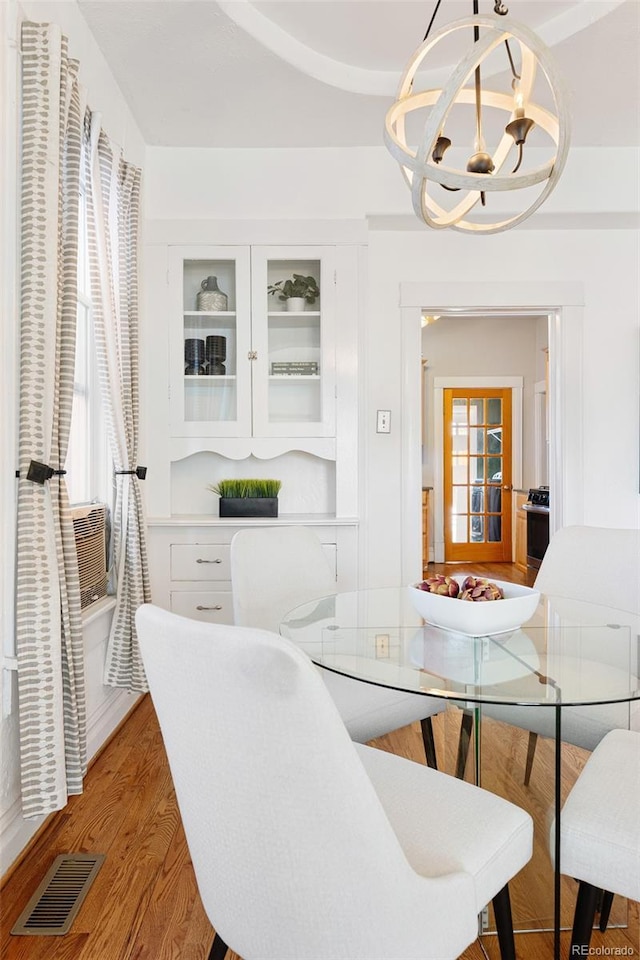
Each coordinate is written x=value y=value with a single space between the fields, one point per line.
x=53 y=907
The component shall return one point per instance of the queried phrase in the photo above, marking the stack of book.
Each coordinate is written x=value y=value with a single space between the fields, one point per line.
x=294 y=368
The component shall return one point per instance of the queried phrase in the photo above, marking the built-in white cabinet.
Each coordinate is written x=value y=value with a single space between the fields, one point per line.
x=243 y=363
x=189 y=561
x=238 y=384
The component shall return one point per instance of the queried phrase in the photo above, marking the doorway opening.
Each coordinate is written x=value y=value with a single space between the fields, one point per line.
x=479 y=437
x=563 y=306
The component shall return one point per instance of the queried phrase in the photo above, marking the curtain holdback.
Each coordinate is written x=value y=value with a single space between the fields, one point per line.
x=41 y=472
x=139 y=472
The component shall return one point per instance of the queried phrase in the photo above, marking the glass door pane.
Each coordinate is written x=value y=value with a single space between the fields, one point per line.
x=209 y=326
x=209 y=341
x=294 y=341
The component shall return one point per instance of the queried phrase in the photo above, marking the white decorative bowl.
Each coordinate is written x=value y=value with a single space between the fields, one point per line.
x=479 y=618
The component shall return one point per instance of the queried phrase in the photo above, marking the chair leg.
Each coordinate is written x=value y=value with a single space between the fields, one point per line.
x=429 y=742
x=583 y=919
x=504 y=924
x=531 y=749
x=218 y=949
x=605 y=910
x=466 y=728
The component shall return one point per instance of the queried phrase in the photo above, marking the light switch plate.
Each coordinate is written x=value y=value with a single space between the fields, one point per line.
x=383 y=424
x=382 y=645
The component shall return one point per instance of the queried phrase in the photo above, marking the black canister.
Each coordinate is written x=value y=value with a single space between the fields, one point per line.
x=194 y=357
x=216 y=353
x=216 y=369
x=216 y=348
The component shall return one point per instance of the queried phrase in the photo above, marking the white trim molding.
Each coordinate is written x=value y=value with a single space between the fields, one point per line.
x=540 y=433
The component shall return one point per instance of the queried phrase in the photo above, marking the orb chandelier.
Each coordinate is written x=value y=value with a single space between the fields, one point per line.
x=444 y=195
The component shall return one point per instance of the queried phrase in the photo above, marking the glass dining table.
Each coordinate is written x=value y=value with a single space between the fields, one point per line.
x=569 y=673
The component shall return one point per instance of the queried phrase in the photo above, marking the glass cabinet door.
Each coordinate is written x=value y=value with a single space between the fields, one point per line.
x=293 y=370
x=210 y=341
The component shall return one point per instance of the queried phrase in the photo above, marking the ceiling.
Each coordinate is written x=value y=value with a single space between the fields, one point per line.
x=319 y=73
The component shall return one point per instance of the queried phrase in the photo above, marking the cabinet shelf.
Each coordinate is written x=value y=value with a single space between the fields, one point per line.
x=209 y=379
x=209 y=313
x=201 y=321
x=283 y=520
x=293 y=376
x=292 y=320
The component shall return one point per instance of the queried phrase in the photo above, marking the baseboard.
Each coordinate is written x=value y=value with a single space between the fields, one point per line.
x=19 y=835
x=107 y=720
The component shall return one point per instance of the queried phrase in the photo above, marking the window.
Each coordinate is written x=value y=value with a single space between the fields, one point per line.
x=88 y=462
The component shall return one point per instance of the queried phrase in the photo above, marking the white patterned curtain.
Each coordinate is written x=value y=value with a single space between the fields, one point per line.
x=52 y=714
x=113 y=213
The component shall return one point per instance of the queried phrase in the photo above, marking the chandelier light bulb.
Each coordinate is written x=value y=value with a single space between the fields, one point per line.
x=479 y=145
x=490 y=169
x=518 y=100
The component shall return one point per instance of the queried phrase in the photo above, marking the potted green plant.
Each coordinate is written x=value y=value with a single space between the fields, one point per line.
x=247 y=498
x=296 y=292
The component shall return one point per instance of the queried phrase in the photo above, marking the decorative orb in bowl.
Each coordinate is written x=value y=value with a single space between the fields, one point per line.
x=473 y=618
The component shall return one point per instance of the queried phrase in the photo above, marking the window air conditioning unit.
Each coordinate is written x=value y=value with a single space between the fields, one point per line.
x=90 y=524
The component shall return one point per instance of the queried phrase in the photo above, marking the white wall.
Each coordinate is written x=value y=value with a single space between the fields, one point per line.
x=330 y=183
x=105 y=706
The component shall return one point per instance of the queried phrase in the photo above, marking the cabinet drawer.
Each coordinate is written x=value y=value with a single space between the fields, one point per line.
x=203 y=561
x=205 y=605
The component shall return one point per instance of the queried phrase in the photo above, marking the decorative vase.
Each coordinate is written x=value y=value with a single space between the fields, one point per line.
x=216 y=347
x=248 y=507
x=296 y=304
x=194 y=357
x=211 y=296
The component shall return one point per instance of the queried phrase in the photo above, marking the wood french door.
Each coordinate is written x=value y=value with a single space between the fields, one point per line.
x=477 y=474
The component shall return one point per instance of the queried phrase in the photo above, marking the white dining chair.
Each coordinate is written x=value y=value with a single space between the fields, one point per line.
x=600 y=566
x=275 y=569
x=600 y=832
x=306 y=846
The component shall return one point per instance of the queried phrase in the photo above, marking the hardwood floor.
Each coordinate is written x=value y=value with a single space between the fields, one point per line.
x=144 y=904
x=495 y=571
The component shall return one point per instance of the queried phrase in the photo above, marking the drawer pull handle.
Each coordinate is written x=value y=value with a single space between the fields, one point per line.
x=217 y=560
x=218 y=606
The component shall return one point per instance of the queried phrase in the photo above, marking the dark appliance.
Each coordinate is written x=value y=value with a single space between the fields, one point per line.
x=537 y=509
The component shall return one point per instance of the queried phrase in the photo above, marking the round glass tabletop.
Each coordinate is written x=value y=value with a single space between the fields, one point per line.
x=569 y=653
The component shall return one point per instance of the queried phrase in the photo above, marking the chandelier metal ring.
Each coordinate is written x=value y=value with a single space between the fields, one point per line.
x=418 y=165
